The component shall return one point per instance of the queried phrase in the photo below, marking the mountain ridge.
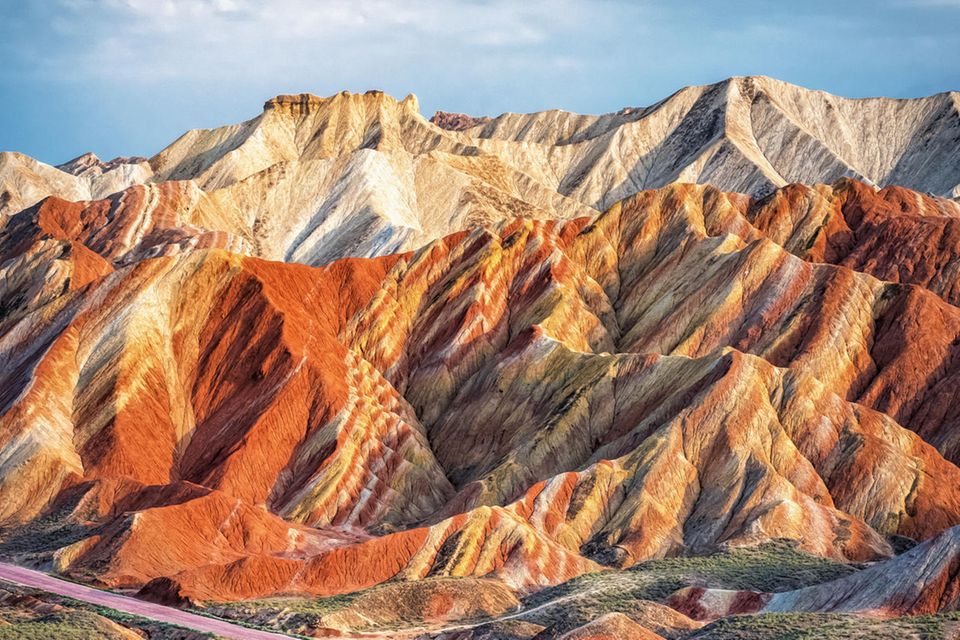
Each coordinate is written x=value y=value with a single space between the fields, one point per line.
x=741 y=134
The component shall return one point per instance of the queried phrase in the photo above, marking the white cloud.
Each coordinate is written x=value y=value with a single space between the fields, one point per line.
x=132 y=40
x=136 y=72
x=492 y=22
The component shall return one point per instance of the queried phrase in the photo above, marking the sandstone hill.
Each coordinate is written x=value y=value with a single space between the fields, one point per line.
x=529 y=401
x=923 y=580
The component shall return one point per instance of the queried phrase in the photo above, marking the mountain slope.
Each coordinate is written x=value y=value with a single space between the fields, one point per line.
x=921 y=581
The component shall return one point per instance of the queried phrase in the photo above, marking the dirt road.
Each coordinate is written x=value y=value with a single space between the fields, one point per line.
x=38 y=580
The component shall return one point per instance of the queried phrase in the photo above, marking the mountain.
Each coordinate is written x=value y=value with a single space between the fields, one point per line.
x=416 y=378
x=314 y=179
x=747 y=134
x=25 y=181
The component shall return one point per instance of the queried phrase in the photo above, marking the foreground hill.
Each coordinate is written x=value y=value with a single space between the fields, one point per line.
x=526 y=402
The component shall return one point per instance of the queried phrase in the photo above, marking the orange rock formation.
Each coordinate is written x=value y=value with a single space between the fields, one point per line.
x=527 y=401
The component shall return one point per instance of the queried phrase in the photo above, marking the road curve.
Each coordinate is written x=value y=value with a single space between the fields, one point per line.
x=44 y=582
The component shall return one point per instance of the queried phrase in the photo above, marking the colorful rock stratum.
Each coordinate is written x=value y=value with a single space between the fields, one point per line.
x=675 y=371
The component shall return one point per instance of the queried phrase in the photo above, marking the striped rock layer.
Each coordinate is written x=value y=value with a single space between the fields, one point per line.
x=527 y=401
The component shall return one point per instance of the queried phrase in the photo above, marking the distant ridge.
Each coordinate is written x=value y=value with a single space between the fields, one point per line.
x=367 y=174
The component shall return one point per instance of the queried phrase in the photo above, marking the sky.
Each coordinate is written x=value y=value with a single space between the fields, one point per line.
x=127 y=77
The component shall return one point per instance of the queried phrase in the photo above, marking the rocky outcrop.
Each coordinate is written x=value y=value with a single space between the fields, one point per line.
x=611 y=626
x=457 y=121
x=704 y=604
x=301 y=103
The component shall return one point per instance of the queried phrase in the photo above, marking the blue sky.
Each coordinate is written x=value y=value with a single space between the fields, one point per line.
x=124 y=77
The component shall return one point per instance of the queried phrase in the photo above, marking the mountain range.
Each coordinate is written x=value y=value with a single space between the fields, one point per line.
x=435 y=378
x=360 y=175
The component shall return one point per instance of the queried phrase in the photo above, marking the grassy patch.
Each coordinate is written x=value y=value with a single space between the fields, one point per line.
x=64 y=625
x=287 y=614
x=773 y=566
x=43 y=535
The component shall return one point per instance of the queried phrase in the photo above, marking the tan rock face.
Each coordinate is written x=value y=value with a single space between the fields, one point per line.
x=528 y=401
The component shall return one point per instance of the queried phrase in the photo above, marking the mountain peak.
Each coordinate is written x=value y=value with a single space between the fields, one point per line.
x=81 y=163
x=90 y=160
x=457 y=121
x=308 y=102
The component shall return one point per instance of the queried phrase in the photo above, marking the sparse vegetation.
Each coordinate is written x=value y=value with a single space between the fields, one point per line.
x=73 y=625
x=26 y=614
x=43 y=535
x=773 y=566
x=822 y=626
x=288 y=614
x=390 y=606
